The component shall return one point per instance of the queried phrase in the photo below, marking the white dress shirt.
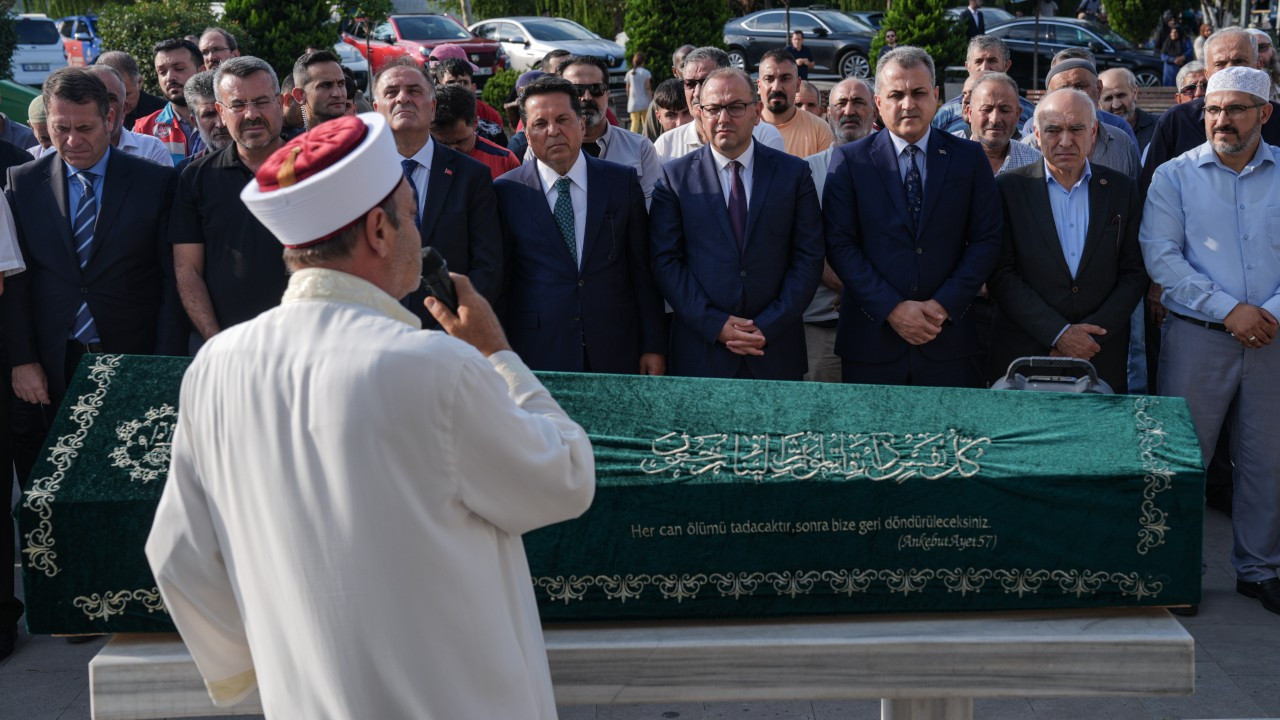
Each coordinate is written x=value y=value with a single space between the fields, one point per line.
x=577 y=195
x=422 y=173
x=146 y=147
x=684 y=140
x=904 y=158
x=726 y=174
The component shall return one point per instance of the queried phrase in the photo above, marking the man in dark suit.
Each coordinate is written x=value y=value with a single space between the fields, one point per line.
x=579 y=296
x=972 y=21
x=457 y=211
x=1070 y=269
x=91 y=225
x=737 y=250
x=913 y=239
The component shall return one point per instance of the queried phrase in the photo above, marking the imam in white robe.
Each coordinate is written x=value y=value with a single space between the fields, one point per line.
x=341 y=523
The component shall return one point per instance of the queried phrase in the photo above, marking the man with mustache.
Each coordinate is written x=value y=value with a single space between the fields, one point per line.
x=986 y=53
x=803 y=134
x=1209 y=236
x=320 y=87
x=992 y=112
x=199 y=94
x=1074 y=68
x=1072 y=297
x=176 y=61
x=913 y=231
x=130 y=143
x=228 y=265
x=455 y=207
x=1120 y=97
x=851 y=114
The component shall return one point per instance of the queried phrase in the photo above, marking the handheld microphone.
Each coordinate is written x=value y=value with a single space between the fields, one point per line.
x=436 y=280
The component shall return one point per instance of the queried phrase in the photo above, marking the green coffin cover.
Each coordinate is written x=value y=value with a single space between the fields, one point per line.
x=720 y=498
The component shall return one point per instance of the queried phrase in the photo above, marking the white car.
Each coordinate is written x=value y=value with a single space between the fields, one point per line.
x=527 y=39
x=39 y=50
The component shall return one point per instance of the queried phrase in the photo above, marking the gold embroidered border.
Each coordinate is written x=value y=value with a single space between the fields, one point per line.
x=101 y=606
x=687 y=586
x=1152 y=520
x=39 y=499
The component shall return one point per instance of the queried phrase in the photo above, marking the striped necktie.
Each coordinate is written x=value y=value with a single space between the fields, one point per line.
x=82 y=225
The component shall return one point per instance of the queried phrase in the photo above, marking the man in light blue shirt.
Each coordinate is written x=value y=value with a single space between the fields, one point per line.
x=1210 y=235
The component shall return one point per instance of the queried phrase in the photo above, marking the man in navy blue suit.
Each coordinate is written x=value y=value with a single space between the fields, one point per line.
x=913 y=239
x=736 y=249
x=580 y=296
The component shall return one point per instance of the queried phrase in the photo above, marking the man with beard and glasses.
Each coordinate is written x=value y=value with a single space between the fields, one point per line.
x=130 y=143
x=803 y=134
x=687 y=138
x=228 y=265
x=455 y=207
x=320 y=87
x=993 y=112
x=217 y=46
x=204 y=107
x=590 y=78
x=176 y=61
x=851 y=113
x=1209 y=237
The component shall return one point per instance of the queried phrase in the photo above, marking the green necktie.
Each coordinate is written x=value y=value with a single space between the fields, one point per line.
x=564 y=216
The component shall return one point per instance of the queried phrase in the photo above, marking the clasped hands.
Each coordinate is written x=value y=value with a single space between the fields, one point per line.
x=918 y=322
x=742 y=337
x=1077 y=342
x=1251 y=326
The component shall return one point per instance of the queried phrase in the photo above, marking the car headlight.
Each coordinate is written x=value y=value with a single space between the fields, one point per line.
x=426 y=52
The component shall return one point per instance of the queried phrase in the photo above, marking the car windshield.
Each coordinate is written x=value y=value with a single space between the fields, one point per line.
x=430 y=27
x=839 y=22
x=37 y=32
x=1113 y=39
x=552 y=30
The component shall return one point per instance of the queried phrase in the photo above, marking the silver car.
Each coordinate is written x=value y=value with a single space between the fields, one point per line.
x=526 y=39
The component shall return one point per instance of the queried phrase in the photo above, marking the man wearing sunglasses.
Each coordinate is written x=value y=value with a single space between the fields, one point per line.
x=1191 y=82
x=602 y=139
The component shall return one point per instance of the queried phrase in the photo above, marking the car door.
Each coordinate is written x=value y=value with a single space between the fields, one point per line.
x=765 y=32
x=1021 y=39
x=817 y=37
x=523 y=54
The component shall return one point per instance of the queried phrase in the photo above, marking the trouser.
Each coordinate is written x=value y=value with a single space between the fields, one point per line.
x=914 y=369
x=1224 y=381
x=637 y=121
x=824 y=364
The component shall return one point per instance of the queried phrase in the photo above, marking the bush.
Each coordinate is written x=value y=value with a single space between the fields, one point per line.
x=8 y=39
x=657 y=27
x=1134 y=18
x=136 y=28
x=924 y=24
x=498 y=88
x=279 y=31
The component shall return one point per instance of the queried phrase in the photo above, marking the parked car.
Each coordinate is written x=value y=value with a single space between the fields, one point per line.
x=873 y=18
x=840 y=44
x=1057 y=34
x=80 y=38
x=991 y=16
x=39 y=50
x=355 y=62
x=416 y=35
x=526 y=39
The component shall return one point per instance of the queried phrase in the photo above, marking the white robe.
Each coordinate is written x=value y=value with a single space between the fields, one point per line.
x=341 y=522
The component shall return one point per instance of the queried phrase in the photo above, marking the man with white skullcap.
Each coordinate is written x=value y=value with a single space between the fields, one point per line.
x=1210 y=235
x=341 y=523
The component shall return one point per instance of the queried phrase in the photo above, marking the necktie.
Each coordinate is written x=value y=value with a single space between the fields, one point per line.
x=914 y=187
x=82 y=223
x=409 y=165
x=564 y=217
x=738 y=205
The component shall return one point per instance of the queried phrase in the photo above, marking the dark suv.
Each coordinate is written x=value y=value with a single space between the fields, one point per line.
x=1057 y=34
x=840 y=44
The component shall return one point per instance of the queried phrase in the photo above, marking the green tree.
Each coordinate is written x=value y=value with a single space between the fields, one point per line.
x=498 y=87
x=924 y=24
x=136 y=28
x=8 y=38
x=375 y=11
x=1135 y=19
x=657 y=27
x=279 y=31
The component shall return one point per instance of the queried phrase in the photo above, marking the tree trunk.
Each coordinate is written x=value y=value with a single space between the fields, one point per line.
x=466 y=12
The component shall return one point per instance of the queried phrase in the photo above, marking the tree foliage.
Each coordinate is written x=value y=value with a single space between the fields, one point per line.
x=657 y=27
x=1135 y=19
x=924 y=24
x=8 y=38
x=498 y=87
x=136 y=28
x=279 y=31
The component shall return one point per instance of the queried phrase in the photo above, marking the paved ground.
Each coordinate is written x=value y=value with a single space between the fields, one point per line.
x=1237 y=673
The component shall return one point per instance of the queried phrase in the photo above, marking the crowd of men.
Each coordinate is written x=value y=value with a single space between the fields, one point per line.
x=886 y=239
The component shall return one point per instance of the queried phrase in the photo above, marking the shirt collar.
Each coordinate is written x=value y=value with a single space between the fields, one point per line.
x=744 y=159
x=127 y=141
x=577 y=174
x=899 y=144
x=603 y=140
x=424 y=154
x=1206 y=155
x=167 y=114
x=336 y=286
x=690 y=138
x=1084 y=178
x=99 y=168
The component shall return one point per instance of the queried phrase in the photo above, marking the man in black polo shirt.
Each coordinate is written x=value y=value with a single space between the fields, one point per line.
x=229 y=266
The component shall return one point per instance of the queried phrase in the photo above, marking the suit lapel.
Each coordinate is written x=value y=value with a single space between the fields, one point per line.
x=718 y=205
x=540 y=212
x=886 y=161
x=937 y=164
x=114 y=190
x=438 y=182
x=1098 y=216
x=761 y=178
x=597 y=198
x=1037 y=197
x=57 y=179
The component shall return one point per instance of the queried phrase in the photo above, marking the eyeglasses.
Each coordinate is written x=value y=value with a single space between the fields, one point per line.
x=1232 y=111
x=735 y=110
x=691 y=84
x=239 y=106
x=1191 y=89
x=596 y=89
x=209 y=51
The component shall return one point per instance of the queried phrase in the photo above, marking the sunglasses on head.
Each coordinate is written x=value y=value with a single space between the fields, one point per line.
x=596 y=89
